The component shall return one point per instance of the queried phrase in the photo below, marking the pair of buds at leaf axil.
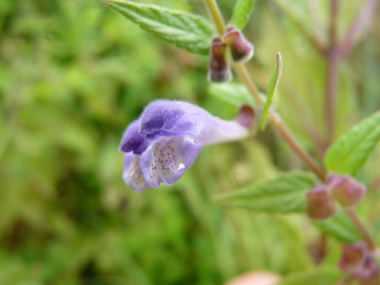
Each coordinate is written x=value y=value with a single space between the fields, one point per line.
x=321 y=200
x=241 y=51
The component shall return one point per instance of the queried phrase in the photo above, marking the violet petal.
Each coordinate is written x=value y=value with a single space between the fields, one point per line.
x=132 y=139
x=174 y=118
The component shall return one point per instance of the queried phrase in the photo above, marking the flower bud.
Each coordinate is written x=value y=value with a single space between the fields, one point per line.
x=353 y=257
x=247 y=116
x=369 y=275
x=345 y=189
x=241 y=49
x=361 y=263
x=320 y=203
x=219 y=69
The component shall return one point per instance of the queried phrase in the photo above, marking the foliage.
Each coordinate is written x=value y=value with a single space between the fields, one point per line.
x=73 y=74
x=282 y=194
x=234 y=93
x=275 y=79
x=242 y=11
x=321 y=276
x=350 y=152
x=189 y=31
x=340 y=227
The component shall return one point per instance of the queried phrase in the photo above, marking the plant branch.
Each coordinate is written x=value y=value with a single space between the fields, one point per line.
x=331 y=91
x=216 y=15
x=276 y=121
x=332 y=73
x=362 y=229
x=333 y=54
x=361 y=22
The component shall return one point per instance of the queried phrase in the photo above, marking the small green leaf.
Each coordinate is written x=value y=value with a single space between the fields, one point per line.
x=242 y=11
x=189 y=31
x=234 y=93
x=317 y=276
x=275 y=79
x=349 y=153
x=283 y=194
x=340 y=227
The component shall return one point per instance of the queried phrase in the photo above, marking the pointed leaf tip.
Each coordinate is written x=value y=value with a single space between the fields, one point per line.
x=242 y=12
x=273 y=83
x=350 y=151
x=279 y=67
x=186 y=30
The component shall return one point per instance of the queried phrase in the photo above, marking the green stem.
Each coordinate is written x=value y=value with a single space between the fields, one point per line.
x=243 y=74
x=216 y=15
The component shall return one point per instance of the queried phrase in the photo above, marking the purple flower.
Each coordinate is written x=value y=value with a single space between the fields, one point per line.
x=165 y=141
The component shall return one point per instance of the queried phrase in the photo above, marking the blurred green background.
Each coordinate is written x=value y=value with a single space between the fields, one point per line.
x=74 y=74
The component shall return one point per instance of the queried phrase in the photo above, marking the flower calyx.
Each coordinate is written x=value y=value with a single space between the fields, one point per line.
x=346 y=190
x=359 y=262
x=219 y=68
x=321 y=200
x=241 y=49
x=320 y=203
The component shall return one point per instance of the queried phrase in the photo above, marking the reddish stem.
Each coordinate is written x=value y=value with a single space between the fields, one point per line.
x=332 y=73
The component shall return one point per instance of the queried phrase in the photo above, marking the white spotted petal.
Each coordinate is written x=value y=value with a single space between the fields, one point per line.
x=132 y=174
x=167 y=159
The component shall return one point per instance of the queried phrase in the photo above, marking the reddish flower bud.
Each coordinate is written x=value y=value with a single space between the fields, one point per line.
x=353 y=257
x=247 y=116
x=369 y=275
x=345 y=189
x=219 y=69
x=320 y=203
x=360 y=263
x=241 y=49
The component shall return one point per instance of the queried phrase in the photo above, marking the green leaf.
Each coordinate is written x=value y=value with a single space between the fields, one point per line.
x=340 y=227
x=242 y=11
x=234 y=93
x=284 y=194
x=349 y=153
x=189 y=31
x=275 y=79
x=317 y=276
